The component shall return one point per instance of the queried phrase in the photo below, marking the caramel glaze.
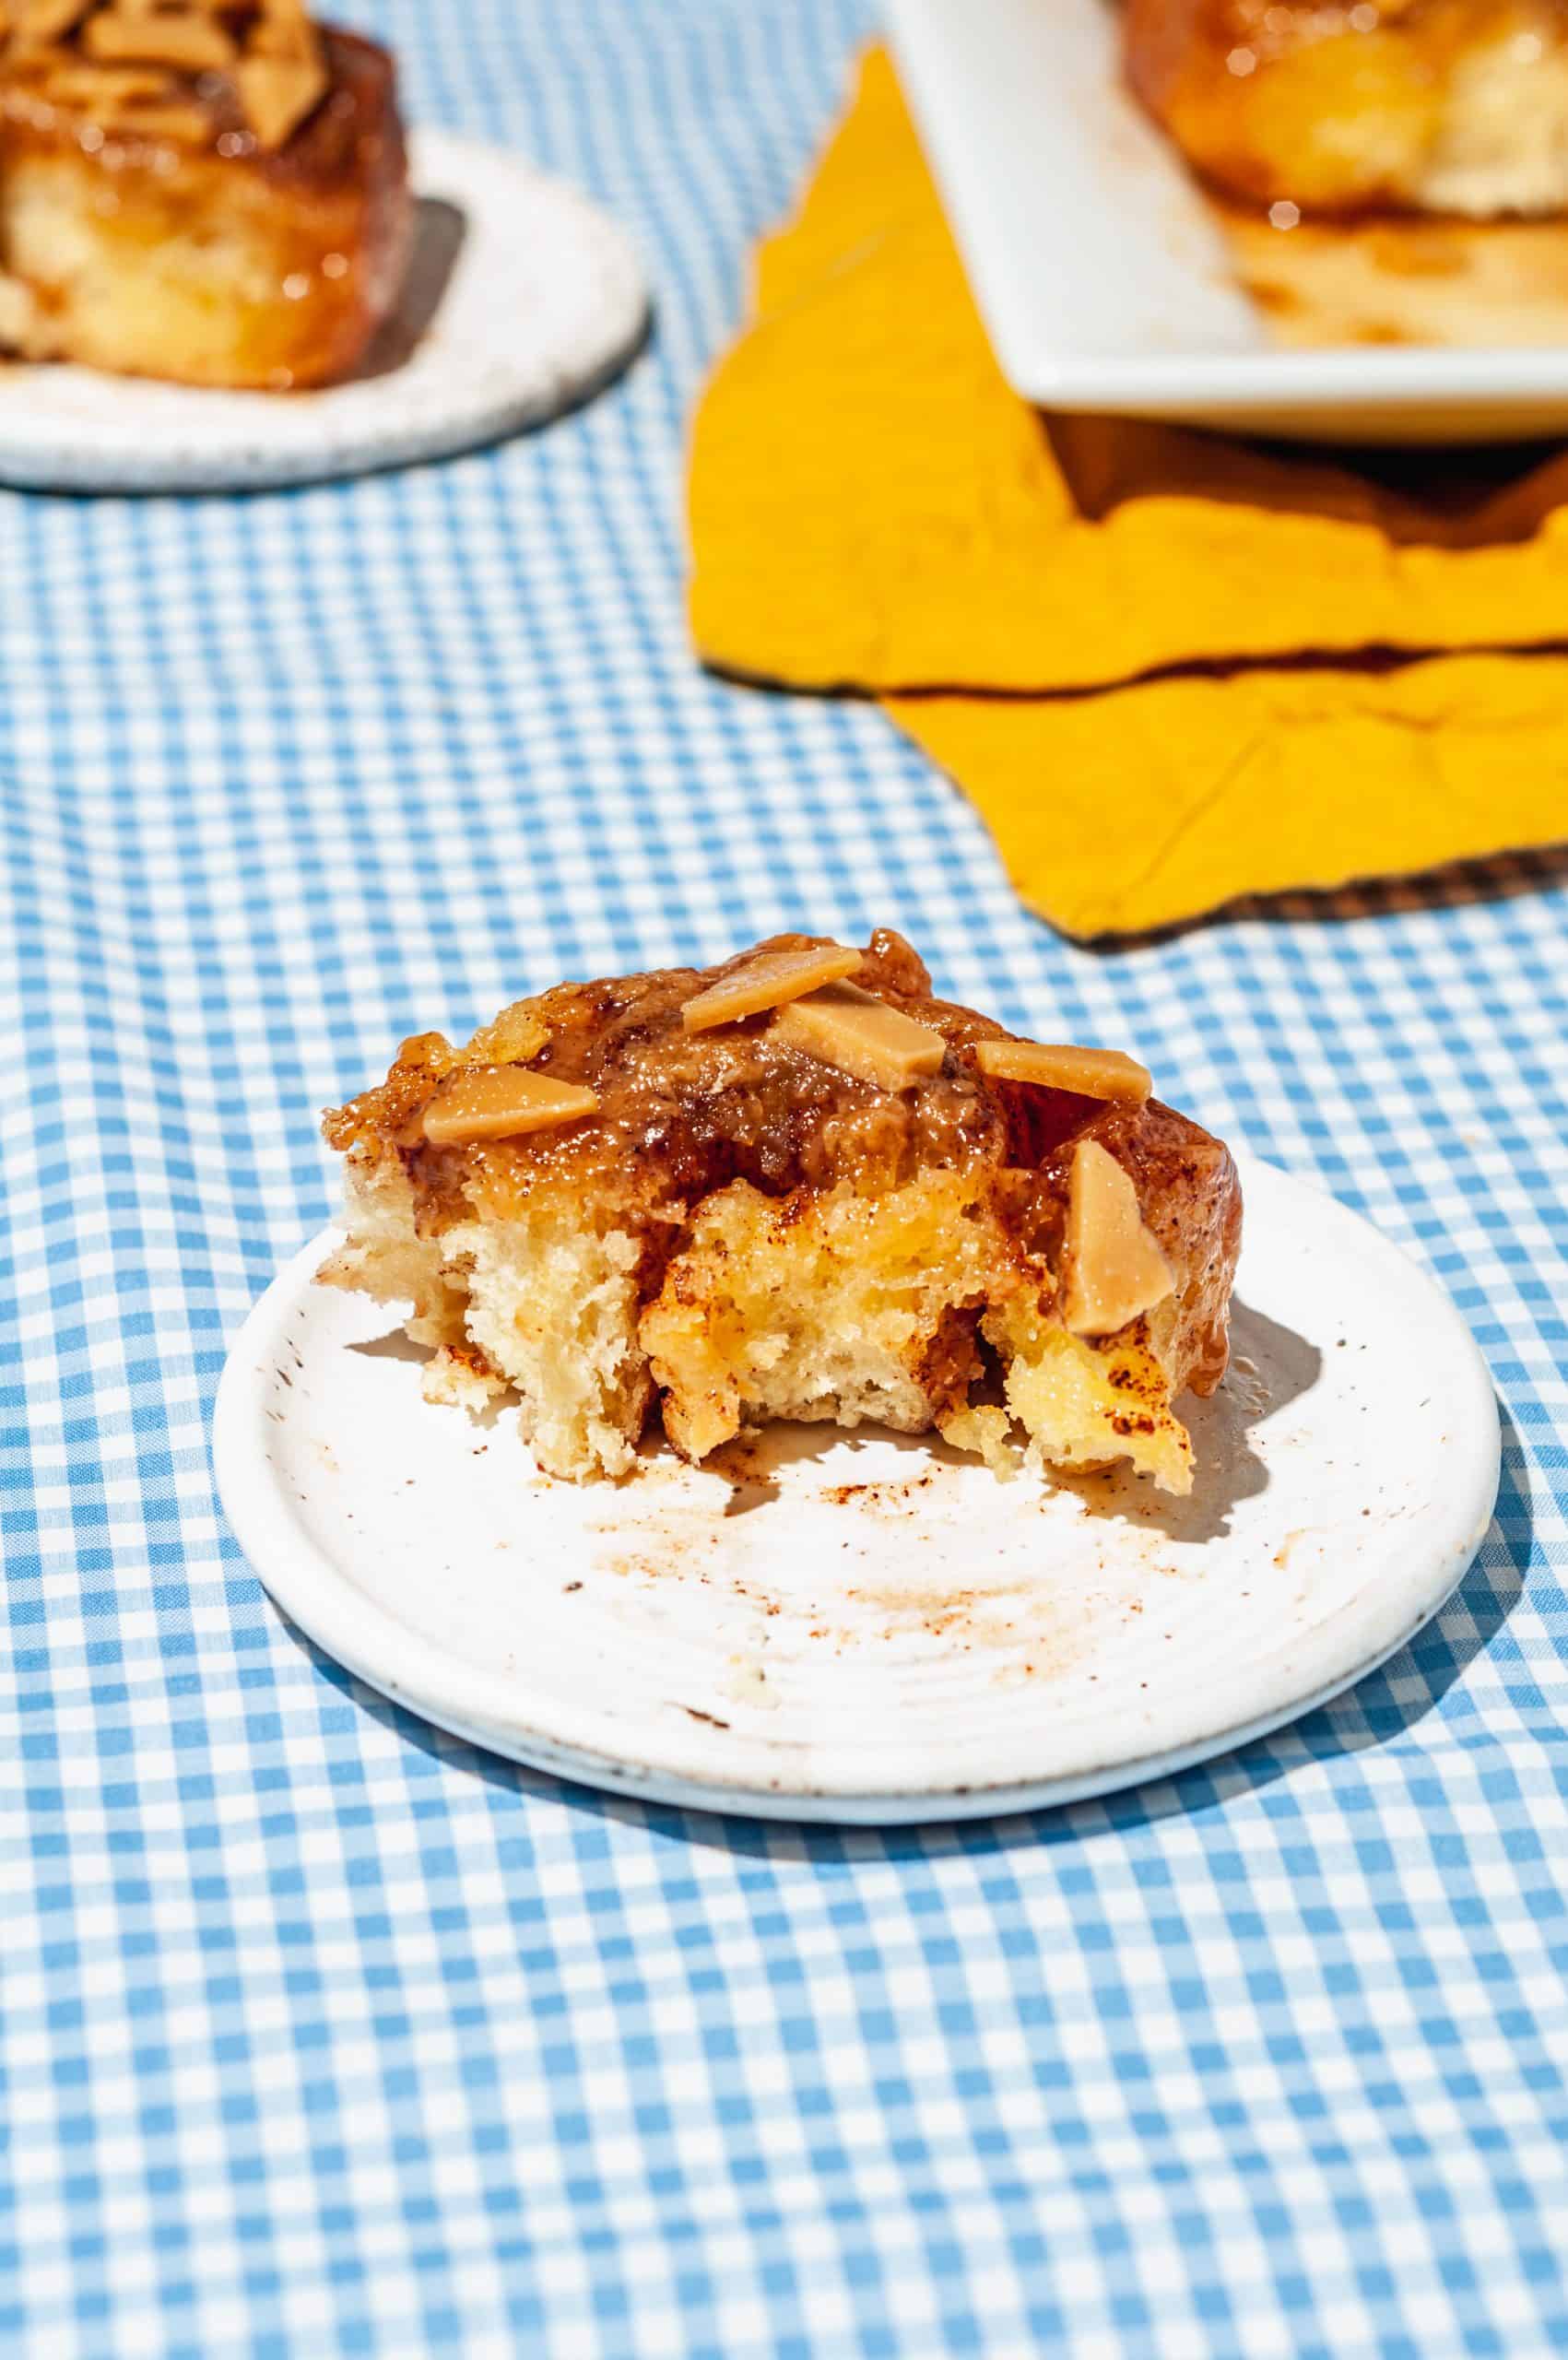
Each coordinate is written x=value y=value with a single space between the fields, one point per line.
x=327 y=152
x=683 y=1114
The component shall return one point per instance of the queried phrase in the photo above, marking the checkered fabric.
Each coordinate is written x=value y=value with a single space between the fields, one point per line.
x=324 y=2034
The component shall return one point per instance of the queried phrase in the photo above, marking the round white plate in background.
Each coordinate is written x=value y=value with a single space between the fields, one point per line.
x=523 y=298
x=865 y=1627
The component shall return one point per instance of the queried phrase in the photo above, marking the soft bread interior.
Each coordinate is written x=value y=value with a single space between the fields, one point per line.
x=544 y=1302
x=876 y=1309
x=858 y=1307
x=1501 y=142
x=194 y=279
x=112 y=295
x=898 y=1308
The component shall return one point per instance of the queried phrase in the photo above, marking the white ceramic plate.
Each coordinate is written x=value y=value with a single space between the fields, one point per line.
x=523 y=298
x=864 y=1628
x=1103 y=278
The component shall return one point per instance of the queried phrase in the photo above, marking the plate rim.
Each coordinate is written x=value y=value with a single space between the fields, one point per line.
x=1271 y=386
x=42 y=451
x=346 y=1623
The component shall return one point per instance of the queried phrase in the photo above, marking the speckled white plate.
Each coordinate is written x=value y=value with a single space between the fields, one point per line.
x=822 y=1625
x=521 y=298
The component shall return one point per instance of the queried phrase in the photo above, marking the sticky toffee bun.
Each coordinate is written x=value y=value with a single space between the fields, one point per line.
x=1455 y=107
x=210 y=191
x=794 y=1185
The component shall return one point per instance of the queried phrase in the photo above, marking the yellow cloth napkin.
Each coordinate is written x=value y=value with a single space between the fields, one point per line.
x=872 y=507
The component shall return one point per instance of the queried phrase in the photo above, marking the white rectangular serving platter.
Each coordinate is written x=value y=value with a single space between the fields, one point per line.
x=1104 y=280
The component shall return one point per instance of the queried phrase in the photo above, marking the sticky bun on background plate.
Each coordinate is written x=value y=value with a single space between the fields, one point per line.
x=1456 y=107
x=210 y=191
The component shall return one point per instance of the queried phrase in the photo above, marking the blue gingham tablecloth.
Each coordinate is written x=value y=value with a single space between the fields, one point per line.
x=324 y=2034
